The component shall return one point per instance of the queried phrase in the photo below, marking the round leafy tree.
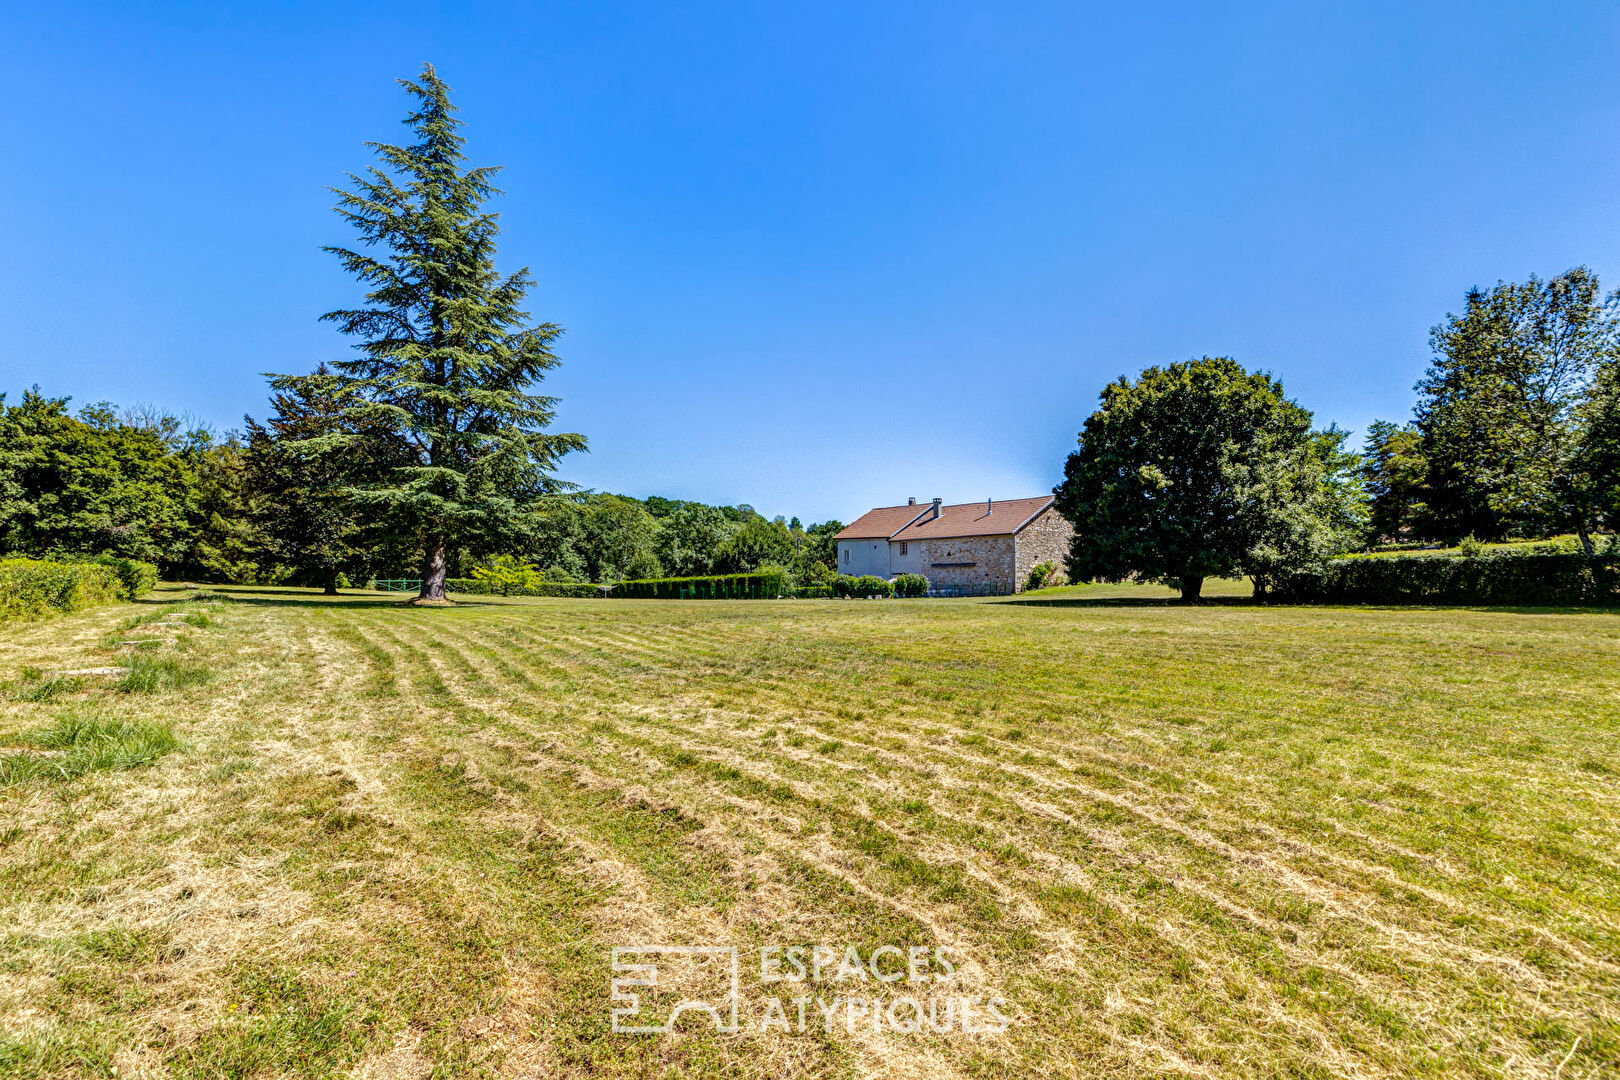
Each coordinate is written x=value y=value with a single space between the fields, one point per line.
x=1202 y=469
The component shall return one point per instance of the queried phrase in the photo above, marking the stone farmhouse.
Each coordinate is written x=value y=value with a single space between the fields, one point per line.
x=981 y=547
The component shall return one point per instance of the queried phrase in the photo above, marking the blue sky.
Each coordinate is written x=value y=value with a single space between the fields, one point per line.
x=818 y=258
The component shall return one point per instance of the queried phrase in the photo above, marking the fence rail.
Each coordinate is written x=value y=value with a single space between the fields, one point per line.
x=397 y=584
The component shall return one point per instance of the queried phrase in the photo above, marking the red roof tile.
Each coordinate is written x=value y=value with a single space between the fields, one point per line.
x=882 y=523
x=1001 y=517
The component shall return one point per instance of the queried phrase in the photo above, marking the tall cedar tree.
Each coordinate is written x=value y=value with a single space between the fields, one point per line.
x=1501 y=407
x=447 y=359
x=1202 y=469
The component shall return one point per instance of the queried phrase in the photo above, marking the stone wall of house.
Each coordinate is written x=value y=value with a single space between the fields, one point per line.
x=1046 y=539
x=989 y=562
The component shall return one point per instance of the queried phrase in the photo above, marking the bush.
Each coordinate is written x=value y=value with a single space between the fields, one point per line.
x=759 y=585
x=135 y=578
x=1041 y=575
x=813 y=592
x=862 y=587
x=507 y=576
x=1500 y=576
x=40 y=588
x=485 y=587
x=911 y=585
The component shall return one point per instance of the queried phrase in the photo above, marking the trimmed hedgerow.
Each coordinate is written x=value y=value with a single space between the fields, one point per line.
x=41 y=588
x=1500 y=576
x=759 y=585
x=911 y=585
x=486 y=587
x=860 y=588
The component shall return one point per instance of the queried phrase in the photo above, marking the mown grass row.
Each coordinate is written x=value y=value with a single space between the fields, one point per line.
x=1248 y=842
x=612 y=669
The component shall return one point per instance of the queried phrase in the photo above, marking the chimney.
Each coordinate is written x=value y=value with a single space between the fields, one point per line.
x=912 y=501
x=989 y=506
x=937 y=501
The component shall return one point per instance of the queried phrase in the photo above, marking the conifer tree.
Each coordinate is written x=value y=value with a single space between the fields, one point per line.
x=448 y=358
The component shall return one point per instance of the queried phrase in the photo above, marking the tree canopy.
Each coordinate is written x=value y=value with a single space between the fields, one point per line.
x=1202 y=469
x=1502 y=405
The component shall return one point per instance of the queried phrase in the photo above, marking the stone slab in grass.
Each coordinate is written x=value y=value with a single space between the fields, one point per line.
x=75 y=672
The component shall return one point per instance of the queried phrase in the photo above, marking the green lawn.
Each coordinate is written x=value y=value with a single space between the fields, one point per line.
x=307 y=837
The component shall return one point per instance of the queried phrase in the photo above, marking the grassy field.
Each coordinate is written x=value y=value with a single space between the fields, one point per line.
x=307 y=837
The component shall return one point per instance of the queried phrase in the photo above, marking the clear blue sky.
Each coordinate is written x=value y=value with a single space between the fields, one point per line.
x=815 y=257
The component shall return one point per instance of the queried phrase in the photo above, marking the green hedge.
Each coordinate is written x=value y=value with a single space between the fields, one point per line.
x=860 y=588
x=40 y=588
x=761 y=585
x=911 y=585
x=486 y=587
x=1500 y=576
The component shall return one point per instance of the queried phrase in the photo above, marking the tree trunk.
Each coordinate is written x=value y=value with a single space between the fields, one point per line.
x=434 y=567
x=1191 y=589
x=331 y=582
x=1586 y=539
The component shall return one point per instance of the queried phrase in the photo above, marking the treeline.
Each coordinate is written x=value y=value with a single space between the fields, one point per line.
x=1204 y=469
x=252 y=506
x=1517 y=428
x=428 y=454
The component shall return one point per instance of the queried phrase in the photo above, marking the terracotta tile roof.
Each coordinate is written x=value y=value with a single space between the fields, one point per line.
x=1002 y=517
x=882 y=523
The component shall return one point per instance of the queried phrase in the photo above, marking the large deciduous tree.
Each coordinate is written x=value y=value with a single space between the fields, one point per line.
x=448 y=358
x=91 y=484
x=1202 y=469
x=1501 y=406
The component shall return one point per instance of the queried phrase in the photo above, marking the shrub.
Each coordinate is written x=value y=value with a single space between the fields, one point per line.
x=1041 y=575
x=759 y=585
x=1500 y=576
x=135 y=578
x=508 y=576
x=862 y=587
x=911 y=585
x=813 y=592
x=40 y=588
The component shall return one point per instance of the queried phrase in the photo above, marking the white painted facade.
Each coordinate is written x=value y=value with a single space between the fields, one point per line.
x=859 y=557
x=880 y=558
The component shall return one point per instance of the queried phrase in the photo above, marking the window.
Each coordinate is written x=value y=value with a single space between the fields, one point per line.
x=902 y=547
x=846 y=556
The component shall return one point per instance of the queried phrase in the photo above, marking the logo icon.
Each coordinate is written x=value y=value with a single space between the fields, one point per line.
x=696 y=978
